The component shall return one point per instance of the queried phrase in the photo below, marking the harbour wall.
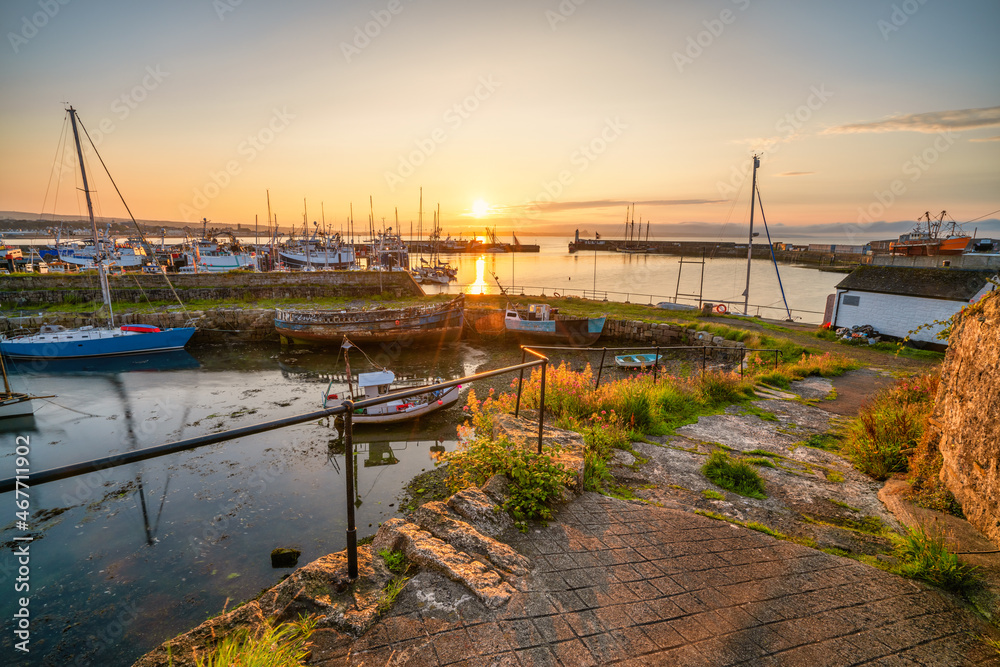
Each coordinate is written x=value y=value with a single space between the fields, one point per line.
x=48 y=289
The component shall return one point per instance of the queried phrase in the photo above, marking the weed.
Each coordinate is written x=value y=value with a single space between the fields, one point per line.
x=828 y=442
x=839 y=503
x=733 y=475
x=762 y=414
x=926 y=557
x=712 y=495
x=390 y=592
x=833 y=476
x=761 y=528
x=394 y=560
x=272 y=646
x=760 y=461
x=764 y=452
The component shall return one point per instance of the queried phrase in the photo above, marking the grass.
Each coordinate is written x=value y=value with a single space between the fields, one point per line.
x=390 y=592
x=272 y=646
x=712 y=495
x=761 y=413
x=394 y=560
x=734 y=475
x=890 y=425
x=926 y=557
x=760 y=528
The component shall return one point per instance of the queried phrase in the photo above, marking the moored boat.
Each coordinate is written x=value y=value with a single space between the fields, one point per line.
x=640 y=361
x=541 y=323
x=379 y=383
x=57 y=342
x=417 y=324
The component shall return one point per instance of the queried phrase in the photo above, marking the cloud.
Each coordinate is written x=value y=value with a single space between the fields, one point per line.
x=797 y=173
x=996 y=138
x=934 y=121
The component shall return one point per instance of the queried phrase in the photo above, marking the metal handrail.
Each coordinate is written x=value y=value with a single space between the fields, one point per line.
x=346 y=409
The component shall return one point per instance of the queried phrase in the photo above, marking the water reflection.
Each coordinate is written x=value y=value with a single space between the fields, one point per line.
x=479 y=286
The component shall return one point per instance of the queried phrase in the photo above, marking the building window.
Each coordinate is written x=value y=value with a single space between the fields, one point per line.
x=851 y=300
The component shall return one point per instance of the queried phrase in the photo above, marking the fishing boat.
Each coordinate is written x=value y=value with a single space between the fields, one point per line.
x=640 y=361
x=541 y=323
x=379 y=383
x=57 y=342
x=417 y=324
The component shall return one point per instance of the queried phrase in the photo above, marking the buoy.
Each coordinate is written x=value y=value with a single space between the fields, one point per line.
x=440 y=402
x=721 y=309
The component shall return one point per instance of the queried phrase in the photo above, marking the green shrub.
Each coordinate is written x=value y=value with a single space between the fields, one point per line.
x=394 y=560
x=733 y=475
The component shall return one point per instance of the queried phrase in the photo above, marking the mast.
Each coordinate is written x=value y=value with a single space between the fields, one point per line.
x=98 y=255
x=753 y=204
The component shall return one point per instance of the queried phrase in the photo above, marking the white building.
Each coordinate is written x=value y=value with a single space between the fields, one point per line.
x=898 y=300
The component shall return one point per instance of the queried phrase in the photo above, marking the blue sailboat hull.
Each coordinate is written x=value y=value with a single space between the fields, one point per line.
x=102 y=343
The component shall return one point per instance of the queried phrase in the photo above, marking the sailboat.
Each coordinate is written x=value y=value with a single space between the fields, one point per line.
x=755 y=193
x=58 y=342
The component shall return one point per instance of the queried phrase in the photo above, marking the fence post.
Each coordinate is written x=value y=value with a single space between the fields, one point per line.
x=600 y=368
x=541 y=406
x=704 y=358
x=352 y=530
x=775 y=360
x=520 y=381
x=656 y=362
x=743 y=354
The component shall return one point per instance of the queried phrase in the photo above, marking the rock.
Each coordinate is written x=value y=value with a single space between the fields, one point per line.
x=435 y=518
x=424 y=549
x=284 y=557
x=481 y=511
x=497 y=488
x=622 y=458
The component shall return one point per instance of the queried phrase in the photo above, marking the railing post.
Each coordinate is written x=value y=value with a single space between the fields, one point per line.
x=520 y=381
x=656 y=362
x=704 y=358
x=600 y=368
x=775 y=360
x=541 y=406
x=743 y=354
x=352 y=530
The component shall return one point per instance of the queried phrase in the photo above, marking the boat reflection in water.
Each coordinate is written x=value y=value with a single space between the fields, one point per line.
x=175 y=360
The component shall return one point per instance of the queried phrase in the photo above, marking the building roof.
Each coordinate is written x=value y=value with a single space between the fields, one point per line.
x=951 y=284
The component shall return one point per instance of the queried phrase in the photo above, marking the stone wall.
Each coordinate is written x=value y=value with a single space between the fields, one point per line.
x=26 y=291
x=967 y=415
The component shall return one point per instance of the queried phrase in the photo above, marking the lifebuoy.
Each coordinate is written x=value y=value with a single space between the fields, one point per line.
x=556 y=294
x=721 y=309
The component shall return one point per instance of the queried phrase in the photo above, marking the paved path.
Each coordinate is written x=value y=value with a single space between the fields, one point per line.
x=618 y=582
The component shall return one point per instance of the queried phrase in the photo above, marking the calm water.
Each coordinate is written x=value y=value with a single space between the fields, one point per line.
x=126 y=558
x=646 y=278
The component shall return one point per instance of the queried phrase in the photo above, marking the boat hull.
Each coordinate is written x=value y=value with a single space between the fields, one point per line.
x=420 y=325
x=446 y=400
x=16 y=405
x=576 y=332
x=80 y=343
x=639 y=361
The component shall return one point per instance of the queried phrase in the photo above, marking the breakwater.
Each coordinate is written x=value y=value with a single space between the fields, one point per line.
x=711 y=250
x=45 y=290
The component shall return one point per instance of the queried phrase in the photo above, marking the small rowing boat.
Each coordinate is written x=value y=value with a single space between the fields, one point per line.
x=379 y=383
x=641 y=361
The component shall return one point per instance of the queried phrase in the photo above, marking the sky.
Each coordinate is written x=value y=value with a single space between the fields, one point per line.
x=531 y=116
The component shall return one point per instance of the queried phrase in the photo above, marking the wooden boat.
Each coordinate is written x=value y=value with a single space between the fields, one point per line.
x=542 y=324
x=379 y=383
x=416 y=324
x=641 y=361
x=57 y=342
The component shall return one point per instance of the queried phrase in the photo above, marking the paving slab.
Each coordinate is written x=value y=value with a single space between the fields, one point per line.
x=662 y=586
